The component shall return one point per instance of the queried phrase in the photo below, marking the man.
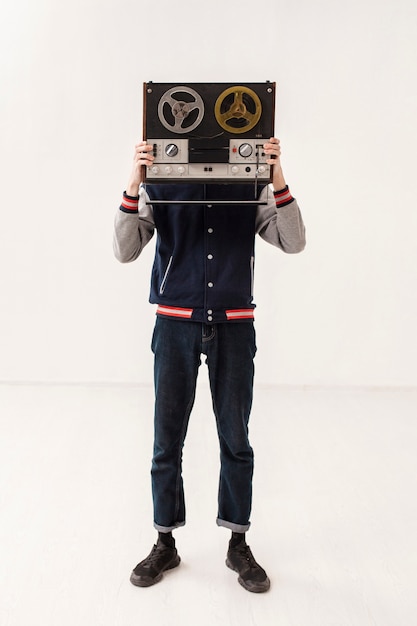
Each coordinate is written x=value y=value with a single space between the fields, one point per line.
x=202 y=282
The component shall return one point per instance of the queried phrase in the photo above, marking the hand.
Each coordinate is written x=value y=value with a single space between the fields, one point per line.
x=273 y=149
x=142 y=158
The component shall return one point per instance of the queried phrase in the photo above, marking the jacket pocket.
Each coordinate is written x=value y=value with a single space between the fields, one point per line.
x=252 y=267
x=165 y=277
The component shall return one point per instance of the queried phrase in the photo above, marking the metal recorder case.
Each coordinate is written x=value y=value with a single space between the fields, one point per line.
x=208 y=132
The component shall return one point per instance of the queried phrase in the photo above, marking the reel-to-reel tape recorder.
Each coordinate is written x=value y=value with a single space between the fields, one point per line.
x=208 y=132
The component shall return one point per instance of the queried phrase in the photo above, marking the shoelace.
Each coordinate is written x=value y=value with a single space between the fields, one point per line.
x=254 y=571
x=246 y=553
x=154 y=555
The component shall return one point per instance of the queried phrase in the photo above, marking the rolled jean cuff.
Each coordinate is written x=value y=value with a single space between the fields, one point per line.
x=236 y=528
x=167 y=529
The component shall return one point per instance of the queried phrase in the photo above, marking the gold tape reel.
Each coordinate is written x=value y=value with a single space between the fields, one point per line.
x=231 y=109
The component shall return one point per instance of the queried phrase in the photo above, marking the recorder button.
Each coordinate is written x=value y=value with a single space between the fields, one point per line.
x=235 y=169
x=181 y=169
x=168 y=169
x=154 y=169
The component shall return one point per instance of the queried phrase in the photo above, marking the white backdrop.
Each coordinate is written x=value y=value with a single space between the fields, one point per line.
x=341 y=313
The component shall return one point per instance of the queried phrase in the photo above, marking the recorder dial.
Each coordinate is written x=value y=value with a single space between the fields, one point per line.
x=171 y=150
x=245 y=150
x=181 y=109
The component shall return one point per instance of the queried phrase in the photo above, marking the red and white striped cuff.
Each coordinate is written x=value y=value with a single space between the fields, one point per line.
x=283 y=197
x=129 y=203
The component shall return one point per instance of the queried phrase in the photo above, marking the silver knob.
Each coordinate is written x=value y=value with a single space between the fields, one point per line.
x=245 y=150
x=171 y=150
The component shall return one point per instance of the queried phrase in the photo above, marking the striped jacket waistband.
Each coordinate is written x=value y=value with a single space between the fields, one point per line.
x=183 y=313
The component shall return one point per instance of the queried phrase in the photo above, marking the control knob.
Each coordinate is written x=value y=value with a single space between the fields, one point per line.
x=245 y=150
x=171 y=150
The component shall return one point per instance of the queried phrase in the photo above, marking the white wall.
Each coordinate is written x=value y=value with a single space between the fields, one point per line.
x=343 y=312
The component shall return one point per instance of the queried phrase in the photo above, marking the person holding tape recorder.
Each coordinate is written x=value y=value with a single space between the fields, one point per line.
x=202 y=282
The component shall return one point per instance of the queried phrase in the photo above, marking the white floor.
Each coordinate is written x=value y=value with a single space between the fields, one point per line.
x=334 y=518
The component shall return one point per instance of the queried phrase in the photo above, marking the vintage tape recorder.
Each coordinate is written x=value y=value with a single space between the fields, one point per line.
x=210 y=132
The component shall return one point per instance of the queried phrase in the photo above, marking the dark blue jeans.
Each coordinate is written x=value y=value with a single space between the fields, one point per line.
x=229 y=348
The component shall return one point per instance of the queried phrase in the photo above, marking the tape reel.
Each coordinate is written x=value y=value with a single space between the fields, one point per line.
x=238 y=109
x=183 y=113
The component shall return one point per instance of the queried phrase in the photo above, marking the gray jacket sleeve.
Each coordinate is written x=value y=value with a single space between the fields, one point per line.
x=132 y=231
x=280 y=226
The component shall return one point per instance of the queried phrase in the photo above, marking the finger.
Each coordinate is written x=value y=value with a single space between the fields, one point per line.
x=148 y=160
x=144 y=156
x=272 y=145
x=276 y=151
x=144 y=149
x=272 y=156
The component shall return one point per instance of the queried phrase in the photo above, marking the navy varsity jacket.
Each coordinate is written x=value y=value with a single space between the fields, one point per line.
x=204 y=260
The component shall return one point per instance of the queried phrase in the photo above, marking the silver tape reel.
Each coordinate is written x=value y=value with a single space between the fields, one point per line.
x=173 y=112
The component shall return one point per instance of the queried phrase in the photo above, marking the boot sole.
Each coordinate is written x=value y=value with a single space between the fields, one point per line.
x=148 y=582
